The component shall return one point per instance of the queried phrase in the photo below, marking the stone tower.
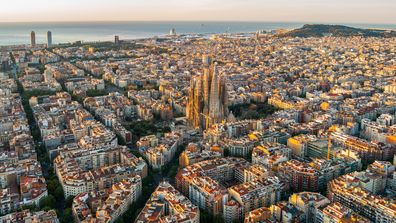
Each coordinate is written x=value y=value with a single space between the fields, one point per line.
x=207 y=100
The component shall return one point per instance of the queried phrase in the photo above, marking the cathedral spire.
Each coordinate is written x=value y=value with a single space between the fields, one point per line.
x=206 y=103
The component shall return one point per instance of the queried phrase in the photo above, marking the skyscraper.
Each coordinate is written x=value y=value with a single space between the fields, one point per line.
x=49 y=38
x=33 y=38
x=207 y=101
x=172 y=32
x=116 y=40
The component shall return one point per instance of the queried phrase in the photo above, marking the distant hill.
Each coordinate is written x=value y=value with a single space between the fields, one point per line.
x=336 y=30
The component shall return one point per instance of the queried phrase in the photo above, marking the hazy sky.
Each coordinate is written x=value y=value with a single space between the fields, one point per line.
x=337 y=11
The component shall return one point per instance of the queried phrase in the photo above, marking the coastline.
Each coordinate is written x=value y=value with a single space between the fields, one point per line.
x=15 y=34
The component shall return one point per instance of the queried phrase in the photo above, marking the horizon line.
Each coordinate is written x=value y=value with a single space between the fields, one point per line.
x=181 y=21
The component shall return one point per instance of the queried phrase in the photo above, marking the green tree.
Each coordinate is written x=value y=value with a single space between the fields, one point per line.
x=46 y=208
x=32 y=207
x=58 y=193
x=120 y=220
x=48 y=201
x=67 y=216
x=69 y=201
x=95 y=93
x=121 y=140
x=251 y=115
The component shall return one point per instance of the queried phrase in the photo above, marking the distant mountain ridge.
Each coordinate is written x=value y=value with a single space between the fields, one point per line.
x=320 y=30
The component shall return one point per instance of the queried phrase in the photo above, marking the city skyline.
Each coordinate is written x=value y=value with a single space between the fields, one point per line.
x=378 y=12
x=205 y=111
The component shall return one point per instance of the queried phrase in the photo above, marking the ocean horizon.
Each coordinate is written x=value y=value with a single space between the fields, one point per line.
x=17 y=33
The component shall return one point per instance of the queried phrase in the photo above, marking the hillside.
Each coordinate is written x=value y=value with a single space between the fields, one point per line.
x=336 y=30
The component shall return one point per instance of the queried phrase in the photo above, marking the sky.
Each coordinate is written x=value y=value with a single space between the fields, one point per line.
x=327 y=11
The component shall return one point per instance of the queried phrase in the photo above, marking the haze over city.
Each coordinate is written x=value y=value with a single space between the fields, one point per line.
x=335 y=11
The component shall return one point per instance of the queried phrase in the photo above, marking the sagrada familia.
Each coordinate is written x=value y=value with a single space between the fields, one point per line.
x=207 y=101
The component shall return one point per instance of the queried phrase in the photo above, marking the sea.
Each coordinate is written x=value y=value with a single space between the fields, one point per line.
x=65 y=32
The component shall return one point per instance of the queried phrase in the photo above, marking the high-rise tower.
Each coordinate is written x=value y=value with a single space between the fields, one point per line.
x=49 y=39
x=172 y=32
x=33 y=38
x=207 y=100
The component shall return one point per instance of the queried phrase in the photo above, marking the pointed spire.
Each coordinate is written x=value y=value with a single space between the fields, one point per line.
x=206 y=105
